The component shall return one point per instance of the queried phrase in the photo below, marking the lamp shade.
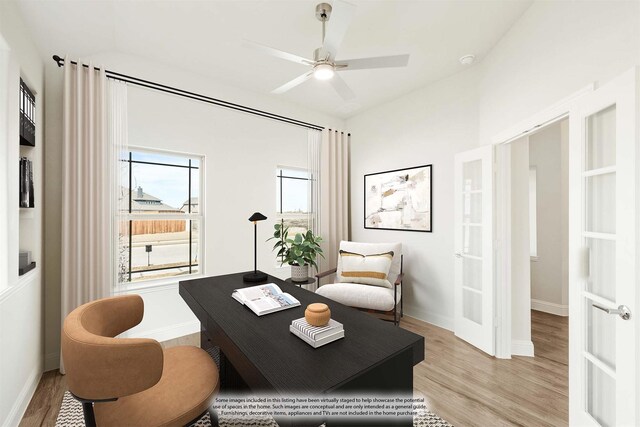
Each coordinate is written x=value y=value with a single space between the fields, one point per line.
x=257 y=216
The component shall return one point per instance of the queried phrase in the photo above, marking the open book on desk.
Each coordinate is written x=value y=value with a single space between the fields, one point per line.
x=265 y=299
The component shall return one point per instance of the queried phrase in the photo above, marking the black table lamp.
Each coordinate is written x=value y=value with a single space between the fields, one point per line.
x=256 y=276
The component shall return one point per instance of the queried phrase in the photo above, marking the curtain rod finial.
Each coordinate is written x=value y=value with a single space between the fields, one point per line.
x=58 y=60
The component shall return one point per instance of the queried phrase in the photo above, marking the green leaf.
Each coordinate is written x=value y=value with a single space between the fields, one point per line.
x=277 y=226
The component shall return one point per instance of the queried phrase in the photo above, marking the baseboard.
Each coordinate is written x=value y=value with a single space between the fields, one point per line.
x=433 y=318
x=169 y=332
x=550 y=307
x=52 y=361
x=521 y=348
x=22 y=401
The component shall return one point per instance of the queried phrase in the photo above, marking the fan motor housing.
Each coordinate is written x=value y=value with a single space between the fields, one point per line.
x=320 y=55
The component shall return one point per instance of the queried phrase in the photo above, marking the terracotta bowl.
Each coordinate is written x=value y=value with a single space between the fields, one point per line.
x=317 y=314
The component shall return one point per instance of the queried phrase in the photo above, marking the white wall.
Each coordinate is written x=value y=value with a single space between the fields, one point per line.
x=242 y=152
x=21 y=329
x=426 y=127
x=553 y=50
x=241 y=155
x=549 y=286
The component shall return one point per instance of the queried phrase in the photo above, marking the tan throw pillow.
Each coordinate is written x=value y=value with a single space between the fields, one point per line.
x=365 y=269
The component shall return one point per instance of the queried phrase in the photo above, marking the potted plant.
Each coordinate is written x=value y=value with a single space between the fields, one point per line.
x=299 y=252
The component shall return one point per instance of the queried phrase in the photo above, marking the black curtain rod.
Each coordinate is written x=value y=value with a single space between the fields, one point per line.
x=196 y=96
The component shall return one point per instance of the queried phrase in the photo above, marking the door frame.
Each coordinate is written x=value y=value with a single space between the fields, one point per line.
x=502 y=213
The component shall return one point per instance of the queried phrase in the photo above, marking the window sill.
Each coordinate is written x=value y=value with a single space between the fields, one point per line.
x=153 y=285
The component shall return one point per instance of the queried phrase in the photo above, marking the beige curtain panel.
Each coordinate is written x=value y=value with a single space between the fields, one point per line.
x=334 y=191
x=89 y=181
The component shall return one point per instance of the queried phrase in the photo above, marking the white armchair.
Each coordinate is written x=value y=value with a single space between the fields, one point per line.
x=382 y=298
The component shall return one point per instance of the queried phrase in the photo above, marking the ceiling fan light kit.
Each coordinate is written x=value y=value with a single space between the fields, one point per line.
x=323 y=71
x=324 y=65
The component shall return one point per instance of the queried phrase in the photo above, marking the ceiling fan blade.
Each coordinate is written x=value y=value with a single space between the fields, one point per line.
x=342 y=88
x=341 y=17
x=377 y=62
x=293 y=83
x=276 y=52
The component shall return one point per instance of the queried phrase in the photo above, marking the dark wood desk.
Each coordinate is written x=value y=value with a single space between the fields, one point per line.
x=374 y=356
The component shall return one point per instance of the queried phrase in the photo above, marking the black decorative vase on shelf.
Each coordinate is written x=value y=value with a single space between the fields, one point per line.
x=255 y=276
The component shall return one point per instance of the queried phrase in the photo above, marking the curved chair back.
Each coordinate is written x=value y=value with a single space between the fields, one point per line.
x=99 y=366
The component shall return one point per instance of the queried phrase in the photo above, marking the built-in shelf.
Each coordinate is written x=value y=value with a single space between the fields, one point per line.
x=26 y=268
x=28 y=177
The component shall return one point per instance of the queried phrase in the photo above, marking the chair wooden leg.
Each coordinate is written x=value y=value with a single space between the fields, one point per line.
x=215 y=421
x=89 y=416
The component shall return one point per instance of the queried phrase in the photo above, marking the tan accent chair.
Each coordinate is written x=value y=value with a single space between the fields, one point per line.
x=372 y=299
x=132 y=381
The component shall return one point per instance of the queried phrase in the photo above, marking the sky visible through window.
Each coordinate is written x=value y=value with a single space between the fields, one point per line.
x=170 y=184
x=294 y=191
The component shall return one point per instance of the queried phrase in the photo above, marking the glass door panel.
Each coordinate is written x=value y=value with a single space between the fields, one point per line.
x=473 y=246
x=601 y=279
x=601 y=136
x=599 y=183
x=601 y=399
x=472 y=175
x=601 y=335
x=601 y=203
x=472 y=306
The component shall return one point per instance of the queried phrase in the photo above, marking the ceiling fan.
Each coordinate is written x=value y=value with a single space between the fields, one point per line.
x=324 y=65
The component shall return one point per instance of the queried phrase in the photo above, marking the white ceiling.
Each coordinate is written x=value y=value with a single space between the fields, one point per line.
x=206 y=36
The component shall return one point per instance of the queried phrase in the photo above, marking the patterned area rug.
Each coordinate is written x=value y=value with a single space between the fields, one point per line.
x=70 y=414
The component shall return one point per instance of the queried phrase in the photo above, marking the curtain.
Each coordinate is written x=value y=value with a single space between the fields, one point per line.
x=89 y=184
x=334 y=194
x=313 y=167
x=118 y=131
x=313 y=190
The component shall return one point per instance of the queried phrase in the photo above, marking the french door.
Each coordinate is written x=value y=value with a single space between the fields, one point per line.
x=474 y=248
x=603 y=279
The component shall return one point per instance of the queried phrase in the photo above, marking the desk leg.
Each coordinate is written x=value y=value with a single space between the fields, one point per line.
x=230 y=379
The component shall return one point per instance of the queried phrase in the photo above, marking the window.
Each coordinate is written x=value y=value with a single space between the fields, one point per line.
x=292 y=199
x=160 y=216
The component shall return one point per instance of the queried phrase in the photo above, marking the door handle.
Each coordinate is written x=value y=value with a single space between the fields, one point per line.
x=622 y=311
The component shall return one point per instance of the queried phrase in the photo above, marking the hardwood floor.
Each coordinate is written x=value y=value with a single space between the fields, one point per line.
x=468 y=388
x=460 y=383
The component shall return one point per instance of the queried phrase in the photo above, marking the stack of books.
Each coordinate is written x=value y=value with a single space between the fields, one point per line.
x=317 y=336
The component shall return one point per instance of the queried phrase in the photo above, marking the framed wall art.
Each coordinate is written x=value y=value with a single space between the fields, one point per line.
x=399 y=199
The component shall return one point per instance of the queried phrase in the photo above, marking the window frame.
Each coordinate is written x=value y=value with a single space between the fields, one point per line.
x=120 y=216
x=279 y=186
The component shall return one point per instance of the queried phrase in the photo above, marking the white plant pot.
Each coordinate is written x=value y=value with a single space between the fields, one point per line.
x=299 y=273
